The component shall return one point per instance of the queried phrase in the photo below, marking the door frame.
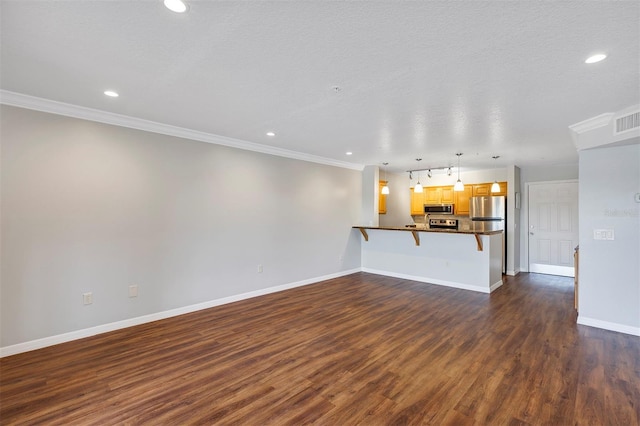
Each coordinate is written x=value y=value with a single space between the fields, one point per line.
x=525 y=212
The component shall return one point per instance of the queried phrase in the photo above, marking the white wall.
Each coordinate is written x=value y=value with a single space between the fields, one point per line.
x=370 y=188
x=89 y=207
x=609 y=274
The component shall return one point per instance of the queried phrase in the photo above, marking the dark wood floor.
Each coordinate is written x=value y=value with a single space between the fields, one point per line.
x=362 y=349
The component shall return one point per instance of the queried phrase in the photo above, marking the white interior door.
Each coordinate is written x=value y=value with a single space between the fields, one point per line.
x=553 y=227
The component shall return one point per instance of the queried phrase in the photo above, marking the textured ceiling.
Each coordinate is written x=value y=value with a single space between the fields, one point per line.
x=417 y=79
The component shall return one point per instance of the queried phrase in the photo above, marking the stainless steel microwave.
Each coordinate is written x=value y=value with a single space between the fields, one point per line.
x=438 y=208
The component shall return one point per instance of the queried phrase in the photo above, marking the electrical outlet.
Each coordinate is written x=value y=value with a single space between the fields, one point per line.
x=260 y=269
x=133 y=291
x=87 y=298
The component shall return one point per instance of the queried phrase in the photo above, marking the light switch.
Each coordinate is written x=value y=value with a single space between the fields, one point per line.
x=603 y=234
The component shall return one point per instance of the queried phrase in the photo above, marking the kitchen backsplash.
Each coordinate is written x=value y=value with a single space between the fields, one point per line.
x=463 y=220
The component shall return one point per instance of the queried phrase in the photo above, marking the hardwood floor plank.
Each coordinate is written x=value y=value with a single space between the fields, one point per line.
x=361 y=349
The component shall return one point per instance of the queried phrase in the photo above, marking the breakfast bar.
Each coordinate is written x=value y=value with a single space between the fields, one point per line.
x=465 y=259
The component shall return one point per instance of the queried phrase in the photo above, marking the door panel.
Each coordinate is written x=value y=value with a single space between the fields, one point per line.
x=553 y=227
x=544 y=251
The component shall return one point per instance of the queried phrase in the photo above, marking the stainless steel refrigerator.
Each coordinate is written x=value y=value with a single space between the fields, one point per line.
x=490 y=214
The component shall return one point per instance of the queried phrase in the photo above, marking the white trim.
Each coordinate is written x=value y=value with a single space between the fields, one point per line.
x=69 y=110
x=435 y=281
x=606 y=325
x=513 y=273
x=592 y=123
x=104 y=328
x=541 y=268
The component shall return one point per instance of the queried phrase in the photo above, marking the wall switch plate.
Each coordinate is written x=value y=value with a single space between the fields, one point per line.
x=637 y=197
x=133 y=291
x=603 y=234
x=87 y=298
x=260 y=269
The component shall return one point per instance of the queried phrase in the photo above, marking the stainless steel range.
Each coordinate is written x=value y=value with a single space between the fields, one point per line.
x=443 y=223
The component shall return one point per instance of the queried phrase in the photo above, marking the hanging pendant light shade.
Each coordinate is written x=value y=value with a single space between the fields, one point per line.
x=385 y=188
x=495 y=187
x=459 y=186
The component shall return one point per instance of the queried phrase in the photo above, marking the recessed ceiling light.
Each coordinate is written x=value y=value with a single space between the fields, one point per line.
x=270 y=134
x=177 y=6
x=111 y=93
x=595 y=58
x=349 y=153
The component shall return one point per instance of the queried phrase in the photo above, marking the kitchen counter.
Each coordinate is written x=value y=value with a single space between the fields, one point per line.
x=425 y=229
x=466 y=259
x=414 y=231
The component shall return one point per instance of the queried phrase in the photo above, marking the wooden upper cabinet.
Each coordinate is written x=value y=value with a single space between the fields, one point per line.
x=461 y=203
x=481 y=190
x=417 y=202
x=448 y=195
x=438 y=194
x=484 y=189
x=382 y=198
x=432 y=194
x=503 y=189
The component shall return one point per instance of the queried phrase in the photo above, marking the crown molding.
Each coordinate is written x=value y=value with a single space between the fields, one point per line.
x=75 y=111
x=593 y=123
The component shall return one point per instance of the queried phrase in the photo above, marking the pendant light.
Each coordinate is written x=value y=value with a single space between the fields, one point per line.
x=459 y=186
x=495 y=186
x=418 y=187
x=385 y=188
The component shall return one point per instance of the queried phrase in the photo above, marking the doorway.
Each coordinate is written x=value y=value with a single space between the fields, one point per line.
x=553 y=227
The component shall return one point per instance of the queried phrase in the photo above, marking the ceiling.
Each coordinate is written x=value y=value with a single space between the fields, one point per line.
x=388 y=81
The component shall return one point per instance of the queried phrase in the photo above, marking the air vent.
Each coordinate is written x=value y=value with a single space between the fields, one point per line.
x=627 y=122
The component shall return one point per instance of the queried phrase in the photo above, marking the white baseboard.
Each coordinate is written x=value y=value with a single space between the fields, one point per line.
x=540 y=268
x=104 y=328
x=434 y=281
x=495 y=285
x=606 y=325
x=513 y=273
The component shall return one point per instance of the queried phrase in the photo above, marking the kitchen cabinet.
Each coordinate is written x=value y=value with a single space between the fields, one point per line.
x=382 y=198
x=481 y=190
x=417 y=202
x=461 y=200
x=432 y=194
x=447 y=195
x=438 y=195
x=484 y=189
x=503 y=189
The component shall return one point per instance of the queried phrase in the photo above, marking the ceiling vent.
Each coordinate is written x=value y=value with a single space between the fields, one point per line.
x=627 y=122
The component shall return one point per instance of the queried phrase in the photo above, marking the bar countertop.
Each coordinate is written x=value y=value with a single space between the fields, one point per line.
x=424 y=229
